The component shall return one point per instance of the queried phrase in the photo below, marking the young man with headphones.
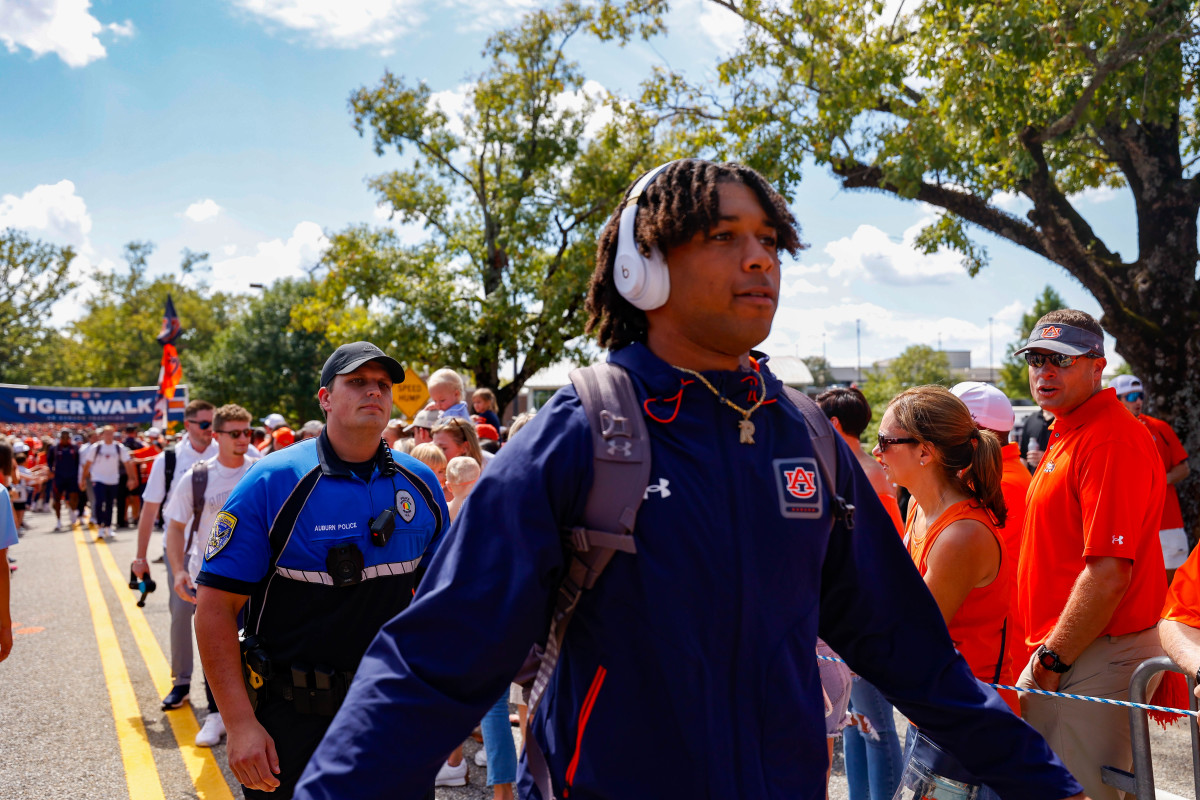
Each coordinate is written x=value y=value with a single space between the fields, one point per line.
x=689 y=668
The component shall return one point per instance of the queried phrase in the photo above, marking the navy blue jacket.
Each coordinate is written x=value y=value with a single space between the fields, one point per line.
x=689 y=671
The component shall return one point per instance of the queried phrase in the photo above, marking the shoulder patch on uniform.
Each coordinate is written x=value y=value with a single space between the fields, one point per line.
x=221 y=533
x=798 y=482
x=406 y=507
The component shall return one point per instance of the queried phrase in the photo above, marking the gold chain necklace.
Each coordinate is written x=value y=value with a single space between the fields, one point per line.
x=745 y=426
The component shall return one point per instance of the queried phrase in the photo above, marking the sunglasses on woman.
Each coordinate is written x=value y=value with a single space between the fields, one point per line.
x=887 y=441
x=1060 y=360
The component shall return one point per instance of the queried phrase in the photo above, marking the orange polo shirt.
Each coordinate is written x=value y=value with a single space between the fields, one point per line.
x=1098 y=491
x=1183 y=598
x=1172 y=453
x=1014 y=483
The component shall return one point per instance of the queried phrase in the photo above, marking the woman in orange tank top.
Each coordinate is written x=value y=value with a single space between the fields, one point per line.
x=929 y=444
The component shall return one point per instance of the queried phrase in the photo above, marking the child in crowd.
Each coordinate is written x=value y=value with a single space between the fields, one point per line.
x=432 y=456
x=483 y=401
x=446 y=394
x=461 y=474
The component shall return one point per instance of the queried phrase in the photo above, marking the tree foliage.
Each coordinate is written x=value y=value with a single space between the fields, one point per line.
x=1014 y=372
x=511 y=196
x=821 y=369
x=263 y=361
x=956 y=104
x=918 y=365
x=33 y=277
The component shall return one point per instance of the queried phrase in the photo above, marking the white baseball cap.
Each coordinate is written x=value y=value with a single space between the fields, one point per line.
x=274 y=421
x=989 y=407
x=1124 y=384
x=154 y=433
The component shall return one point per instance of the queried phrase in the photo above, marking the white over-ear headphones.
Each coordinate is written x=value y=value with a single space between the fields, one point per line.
x=643 y=281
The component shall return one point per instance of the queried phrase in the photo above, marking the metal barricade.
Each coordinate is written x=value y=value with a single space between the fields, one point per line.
x=1140 y=784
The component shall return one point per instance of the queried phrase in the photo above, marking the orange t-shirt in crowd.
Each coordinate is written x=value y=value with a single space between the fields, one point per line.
x=283 y=436
x=1097 y=492
x=1183 y=598
x=149 y=451
x=892 y=507
x=1014 y=483
x=1172 y=453
x=979 y=628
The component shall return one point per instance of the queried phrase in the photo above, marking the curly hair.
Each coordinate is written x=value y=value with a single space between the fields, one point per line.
x=682 y=201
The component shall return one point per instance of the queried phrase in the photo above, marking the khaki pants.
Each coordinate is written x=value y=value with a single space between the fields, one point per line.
x=1088 y=736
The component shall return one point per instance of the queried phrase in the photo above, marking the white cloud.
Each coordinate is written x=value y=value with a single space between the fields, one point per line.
x=489 y=15
x=202 y=210
x=725 y=29
x=871 y=254
x=49 y=211
x=121 y=30
x=1100 y=194
x=453 y=103
x=1012 y=202
x=272 y=260
x=229 y=250
x=341 y=23
x=63 y=27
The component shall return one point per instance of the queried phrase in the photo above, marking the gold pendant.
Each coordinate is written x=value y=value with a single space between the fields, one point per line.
x=746 y=431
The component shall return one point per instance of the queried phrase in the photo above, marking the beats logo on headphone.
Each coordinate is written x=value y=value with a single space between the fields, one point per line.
x=642 y=280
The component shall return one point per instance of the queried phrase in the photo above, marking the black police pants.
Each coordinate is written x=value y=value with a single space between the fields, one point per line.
x=296 y=738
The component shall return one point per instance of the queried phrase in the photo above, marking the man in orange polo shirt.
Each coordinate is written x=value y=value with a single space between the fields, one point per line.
x=1180 y=626
x=993 y=411
x=1090 y=577
x=1171 y=534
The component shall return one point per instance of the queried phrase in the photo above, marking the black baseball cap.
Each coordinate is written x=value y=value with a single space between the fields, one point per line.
x=1066 y=339
x=350 y=357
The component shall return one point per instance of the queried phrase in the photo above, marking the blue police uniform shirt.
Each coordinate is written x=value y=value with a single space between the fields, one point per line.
x=299 y=611
x=699 y=649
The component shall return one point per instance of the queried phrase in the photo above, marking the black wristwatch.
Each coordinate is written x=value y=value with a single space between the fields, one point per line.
x=1050 y=660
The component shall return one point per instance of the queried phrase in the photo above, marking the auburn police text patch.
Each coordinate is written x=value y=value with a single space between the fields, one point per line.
x=219 y=536
x=798 y=482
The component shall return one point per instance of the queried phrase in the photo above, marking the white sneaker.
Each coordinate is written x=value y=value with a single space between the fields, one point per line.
x=213 y=731
x=452 y=776
x=109 y=536
x=58 y=526
x=481 y=757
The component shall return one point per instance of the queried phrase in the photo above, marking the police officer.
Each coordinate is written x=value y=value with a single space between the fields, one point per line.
x=318 y=546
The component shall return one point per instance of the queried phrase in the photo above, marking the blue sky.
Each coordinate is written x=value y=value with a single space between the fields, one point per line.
x=222 y=126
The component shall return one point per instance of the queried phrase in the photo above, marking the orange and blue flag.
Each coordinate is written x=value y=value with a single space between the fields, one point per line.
x=171 y=327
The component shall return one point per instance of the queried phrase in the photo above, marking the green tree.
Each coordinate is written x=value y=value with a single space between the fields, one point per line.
x=113 y=343
x=1014 y=372
x=262 y=360
x=956 y=103
x=918 y=365
x=822 y=371
x=511 y=197
x=33 y=277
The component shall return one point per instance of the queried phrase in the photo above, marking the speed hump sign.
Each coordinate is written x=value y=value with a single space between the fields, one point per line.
x=412 y=395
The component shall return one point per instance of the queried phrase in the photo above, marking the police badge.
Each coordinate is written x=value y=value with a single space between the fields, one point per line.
x=222 y=531
x=406 y=507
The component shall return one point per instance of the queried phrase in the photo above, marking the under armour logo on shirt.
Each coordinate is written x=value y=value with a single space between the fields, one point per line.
x=661 y=489
x=1118 y=540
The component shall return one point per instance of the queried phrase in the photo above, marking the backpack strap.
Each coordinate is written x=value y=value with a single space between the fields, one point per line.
x=621 y=472
x=199 y=487
x=169 y=474
x=281 y=531
x=824 y=440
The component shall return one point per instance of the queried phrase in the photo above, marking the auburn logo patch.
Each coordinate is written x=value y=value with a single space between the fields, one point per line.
x=798 y=483
x=1051 y=332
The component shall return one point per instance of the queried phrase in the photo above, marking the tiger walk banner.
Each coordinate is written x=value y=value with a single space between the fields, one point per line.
x=35 y=404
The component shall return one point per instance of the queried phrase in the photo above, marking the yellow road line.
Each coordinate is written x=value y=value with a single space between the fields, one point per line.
x=201 y=765
x=141 y=774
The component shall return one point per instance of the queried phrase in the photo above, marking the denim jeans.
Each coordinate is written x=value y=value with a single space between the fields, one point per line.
x=106 y=496
x=921 y=780
x=871 y=746
x=499 y=745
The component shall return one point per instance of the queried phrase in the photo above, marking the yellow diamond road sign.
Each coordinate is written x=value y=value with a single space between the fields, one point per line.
x=410 y=396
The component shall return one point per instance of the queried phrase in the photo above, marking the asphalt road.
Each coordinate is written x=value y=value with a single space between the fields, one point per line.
x=80 y=695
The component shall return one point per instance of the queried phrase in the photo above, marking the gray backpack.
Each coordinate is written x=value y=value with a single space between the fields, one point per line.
x=621 y=474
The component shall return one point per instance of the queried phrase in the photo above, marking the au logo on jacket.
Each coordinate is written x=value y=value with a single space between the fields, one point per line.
x=798 y=482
